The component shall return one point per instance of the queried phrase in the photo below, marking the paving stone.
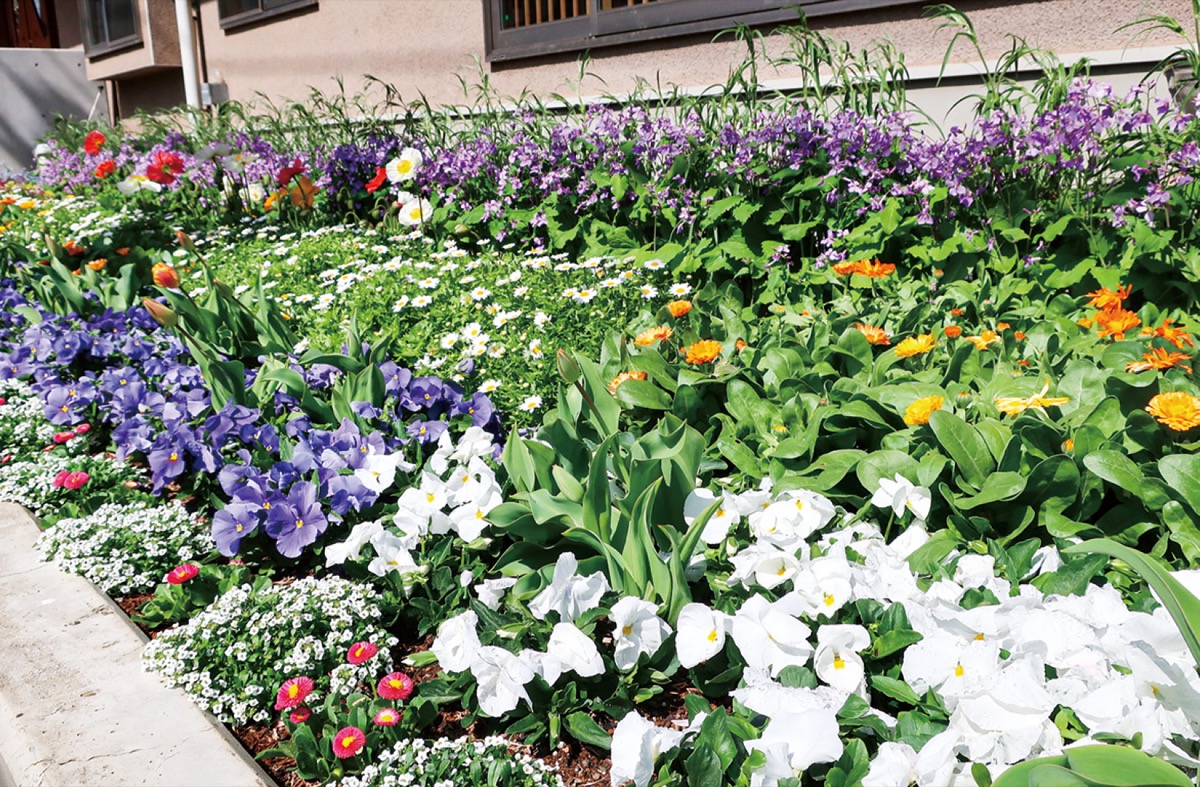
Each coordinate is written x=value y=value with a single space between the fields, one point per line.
x=75 y=706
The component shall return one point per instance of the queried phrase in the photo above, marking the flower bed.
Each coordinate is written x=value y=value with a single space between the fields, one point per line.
x=698 y=471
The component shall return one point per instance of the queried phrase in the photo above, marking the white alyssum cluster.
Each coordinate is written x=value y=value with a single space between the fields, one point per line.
x=23 y=428
x=232 y=657
x=126 y=548
x=444 y=762
x=30 y=483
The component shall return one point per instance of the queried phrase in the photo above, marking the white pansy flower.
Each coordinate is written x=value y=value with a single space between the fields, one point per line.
x=491 y=591
x=360 y=536
x=636 y=744
x=457 y=642
x=569 y=595
x=700 y=634
x=768 y=637
x=726 y=516
x=378 y=472
x=500 y=680
x=902 y=495
x=837 y=661
x=639 y=630
x=790 y=753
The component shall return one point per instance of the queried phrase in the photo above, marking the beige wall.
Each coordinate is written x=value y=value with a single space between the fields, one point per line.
x=159 y=47
x=420 y=45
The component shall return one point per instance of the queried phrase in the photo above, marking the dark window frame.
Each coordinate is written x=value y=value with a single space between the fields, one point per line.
x=255 y=16
x=650 y=21
x=95 y=49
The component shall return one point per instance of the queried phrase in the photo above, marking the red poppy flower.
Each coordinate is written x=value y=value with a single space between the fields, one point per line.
x=105 y=168
x=396 y=686
x=374 y=184
x=181 y=574
x=164 y=166
x=93 y=142
x=287 y=173
x=348 y=742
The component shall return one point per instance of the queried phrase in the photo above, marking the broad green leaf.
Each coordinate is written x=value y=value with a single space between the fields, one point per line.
x=1182 y=473
x=963 y=444
x=585 y=729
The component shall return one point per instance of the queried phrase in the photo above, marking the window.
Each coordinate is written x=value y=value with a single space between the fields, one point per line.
x=235 y=13
x=110 y=25
x=527 y=28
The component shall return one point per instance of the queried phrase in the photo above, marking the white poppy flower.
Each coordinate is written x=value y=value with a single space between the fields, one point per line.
x=837 y=661
x=902 y=495
x=636 y=744
x=500 y=677
x=404 y=167
x=639 y=630
x=415 y=212
x=769 y=638
x=457 y=642
x=569 y=595
x=701 y=634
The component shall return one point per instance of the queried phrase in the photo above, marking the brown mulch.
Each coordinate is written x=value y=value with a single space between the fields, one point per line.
x=257 y=738
x=580 y=766
x=130 y=606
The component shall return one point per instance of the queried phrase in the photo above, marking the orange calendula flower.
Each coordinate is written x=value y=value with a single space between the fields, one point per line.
x=916 y=345
x=1176 y=336
x=679 y=308
x=957 y=312
x=1175 y=410
x=1115 y=322
x=1068 y=445
x=1107 y=300
x=984 y=339
x=123 y=251
x=1019 y=336
x=1084 y=322
x=622 y=377
x=652 y=335
x=876 y=269
x=845 y=268
x=704 y=351
x=98 y=264
x=919 y=411
x=874 y=334
x=1002 y=326
x=739 y=345
x=1158 y=360
x=1015 y=405
x=952 y=331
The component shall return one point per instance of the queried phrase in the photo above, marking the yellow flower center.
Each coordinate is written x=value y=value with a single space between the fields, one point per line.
x=347 y=741
x=174 y=457
x=958 y=671
x=627 y=630
x=712 y=636
x=829 y=600
x=404 y=167
x=838 y=661
x=299 y=523
x=293 y=690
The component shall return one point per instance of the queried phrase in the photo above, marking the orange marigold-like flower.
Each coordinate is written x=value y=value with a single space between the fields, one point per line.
x=123 y=251
x=1115 y=322
x=916 y=345
x=622 y=377
x=1176 y=336
x=1159 y=359
x=1107 y=300
x=1019 y=336
x=1176 y=410
x=984 y=339
x=952 y=331
x=679 y=308
x=957 y=312
x=703 y=351
x=846 y=268
x=98 y=264
x=876 y=269
x=739 y=345
x=1002 y=326
x=919 y=411
x=651 y=335
x=1085 y=322
x=874 y=334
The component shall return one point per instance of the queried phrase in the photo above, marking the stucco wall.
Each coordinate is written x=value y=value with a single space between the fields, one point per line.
x=421 y=45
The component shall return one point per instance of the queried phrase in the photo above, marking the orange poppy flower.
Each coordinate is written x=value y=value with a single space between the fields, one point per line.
x=739 y=345
x=845 y=268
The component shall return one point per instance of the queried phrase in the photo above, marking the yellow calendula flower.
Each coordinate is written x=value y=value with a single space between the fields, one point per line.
x=919 y=411
x=704 y=351
x=1015 y=405
x=984 y=339
x=916 y=345
x=1176 y=410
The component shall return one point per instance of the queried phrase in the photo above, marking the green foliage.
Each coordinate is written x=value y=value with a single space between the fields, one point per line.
x=1093 y=766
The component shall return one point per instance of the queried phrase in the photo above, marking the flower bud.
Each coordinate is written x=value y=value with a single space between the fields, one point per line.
x=184 y=240
x=223 y=288
x=165 y=276
x=568 y=368
x=162 y=314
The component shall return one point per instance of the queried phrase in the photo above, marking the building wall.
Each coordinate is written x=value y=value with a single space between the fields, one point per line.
x=36 y=86
x=425 y=45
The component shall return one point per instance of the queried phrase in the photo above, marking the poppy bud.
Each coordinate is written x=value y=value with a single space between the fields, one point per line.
x=162 y=314
x=165 y=276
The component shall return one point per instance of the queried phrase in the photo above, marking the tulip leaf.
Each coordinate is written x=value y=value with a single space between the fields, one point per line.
x=1179 y=601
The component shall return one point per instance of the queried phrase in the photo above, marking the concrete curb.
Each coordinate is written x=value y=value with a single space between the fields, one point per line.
x=75 y=706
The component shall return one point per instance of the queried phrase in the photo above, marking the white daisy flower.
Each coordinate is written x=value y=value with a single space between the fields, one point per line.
x=429 y=283
x=649 y=291
x=653 y=265
x=487 y=386
x=531 y=403
x=422 y=301
x=480 y=294
x=680 y=289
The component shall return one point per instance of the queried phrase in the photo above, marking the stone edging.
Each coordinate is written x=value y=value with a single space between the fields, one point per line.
x=75 y=706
